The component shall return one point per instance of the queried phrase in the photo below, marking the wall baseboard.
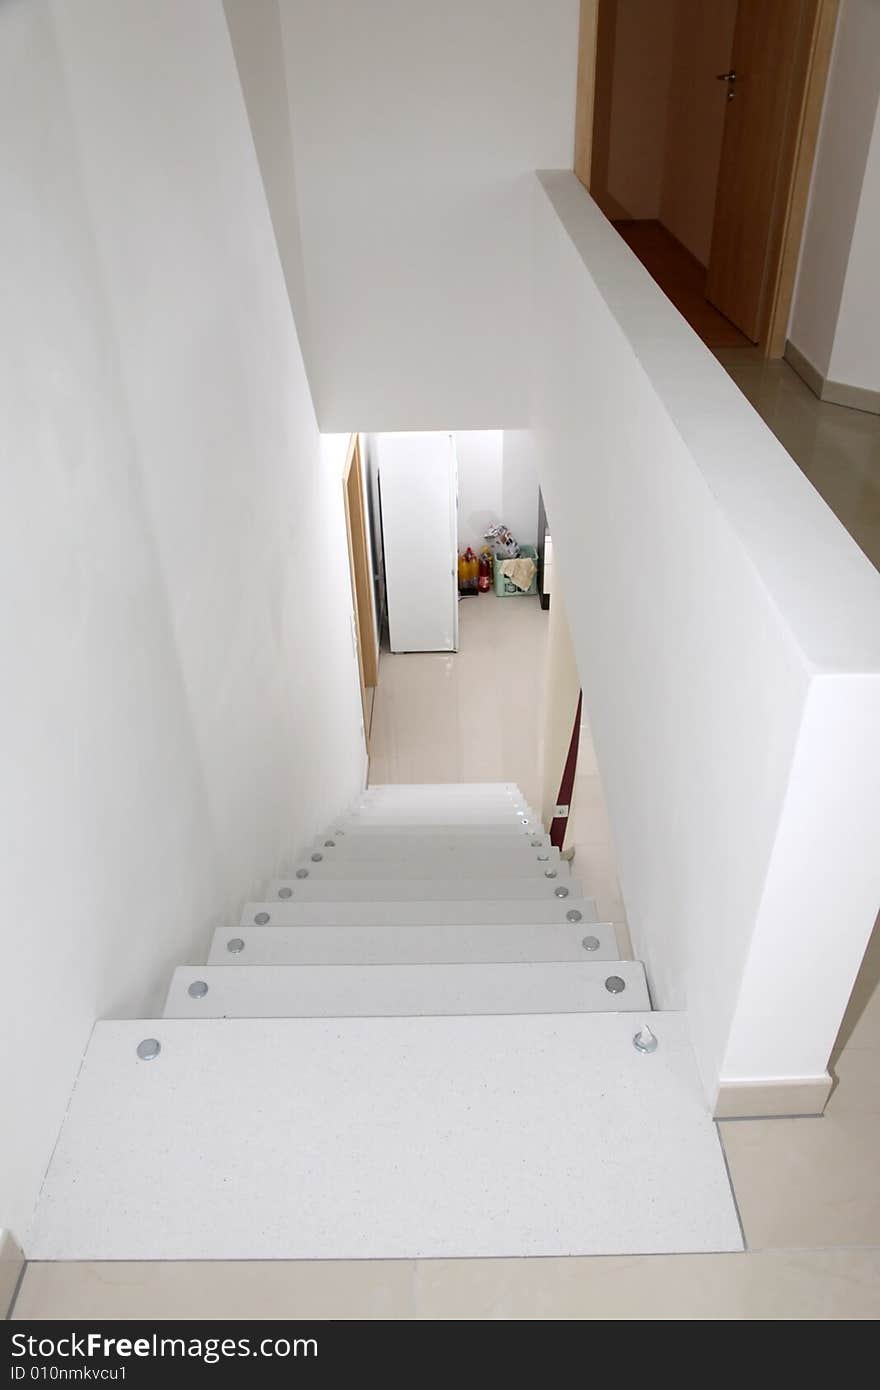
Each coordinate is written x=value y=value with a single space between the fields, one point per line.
x=834 y=392
x=796 y=1095
x=11 y=1266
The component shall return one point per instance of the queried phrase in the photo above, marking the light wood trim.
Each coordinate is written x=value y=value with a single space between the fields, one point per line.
x=586 y=88
x=823 y=22
x=361 y=574
x=600 y=98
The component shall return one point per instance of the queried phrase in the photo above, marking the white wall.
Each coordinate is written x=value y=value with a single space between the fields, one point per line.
x=835 y=306
x=480 y=484
x=416 y=128
x=255 y=31
x=727 y=633
x=520 y=486
x=171 y=540
x=855 y=356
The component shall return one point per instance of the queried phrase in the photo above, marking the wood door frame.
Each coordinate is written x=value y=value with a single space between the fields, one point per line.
x=361 y=574
x=593 y=129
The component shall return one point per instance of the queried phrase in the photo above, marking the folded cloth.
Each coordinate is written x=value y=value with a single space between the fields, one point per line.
x=520 y=572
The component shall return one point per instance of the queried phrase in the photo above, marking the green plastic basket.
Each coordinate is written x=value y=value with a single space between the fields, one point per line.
x=504 y=588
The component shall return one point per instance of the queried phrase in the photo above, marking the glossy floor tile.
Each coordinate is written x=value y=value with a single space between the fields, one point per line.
x=218 y=1290
x=471 y=716
x=823 y=1285
x=837 y=448
x=792 y=1285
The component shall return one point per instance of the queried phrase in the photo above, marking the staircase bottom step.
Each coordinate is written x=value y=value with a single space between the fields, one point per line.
x=385 y=1138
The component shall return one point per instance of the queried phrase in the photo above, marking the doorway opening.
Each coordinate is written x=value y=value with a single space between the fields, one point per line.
x=461 y=657
x=696 y=132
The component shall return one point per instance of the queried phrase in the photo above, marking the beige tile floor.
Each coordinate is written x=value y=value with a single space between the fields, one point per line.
x=808 y=1190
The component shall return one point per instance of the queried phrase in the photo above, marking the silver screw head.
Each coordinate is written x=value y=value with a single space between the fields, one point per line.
x=285 y=892
x=644 y=1040
x=573 y=915
x=615 y=985
x=302 y=873
x=262 y=918
x=198 y=989
x=542 y=858
x=549 y=873
x=235 y=945
x=560 y=892
x=330 y=844
x=148 y=1049
x=316 y=858
x=536 y=844
x=590 y=943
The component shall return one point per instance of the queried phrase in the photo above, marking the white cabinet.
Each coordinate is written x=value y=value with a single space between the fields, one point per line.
x=418 y=487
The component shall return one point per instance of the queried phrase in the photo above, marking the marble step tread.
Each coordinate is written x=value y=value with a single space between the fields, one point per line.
x=451 y=912
x=403 y=989
x=420 y=863
x=382 y=846
x=428 y=889
x=412 y=944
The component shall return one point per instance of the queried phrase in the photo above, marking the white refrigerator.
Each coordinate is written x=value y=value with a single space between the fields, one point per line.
x=418 y=489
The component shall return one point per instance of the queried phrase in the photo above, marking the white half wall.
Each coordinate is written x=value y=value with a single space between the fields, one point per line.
x=520 y=486
x=727 y=633
x=480 y=484
x=416 y=130
x=171 y=540
x=837 y=294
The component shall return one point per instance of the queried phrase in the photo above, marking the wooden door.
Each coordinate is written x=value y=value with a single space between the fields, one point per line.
x=361 y=576
x=771 y=48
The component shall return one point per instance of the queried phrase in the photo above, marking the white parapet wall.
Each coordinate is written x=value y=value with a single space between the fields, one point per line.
x=727 y=632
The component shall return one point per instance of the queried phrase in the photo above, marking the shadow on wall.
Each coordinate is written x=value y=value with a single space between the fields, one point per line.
x=866 y=986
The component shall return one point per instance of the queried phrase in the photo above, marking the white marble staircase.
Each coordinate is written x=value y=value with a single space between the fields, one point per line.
x=421 y=1043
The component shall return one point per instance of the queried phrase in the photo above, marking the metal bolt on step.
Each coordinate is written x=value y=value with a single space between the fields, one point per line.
x=198 y=989
x=644 y=1040
x=262 y=919
x=536 y=844
x=285 y=892
x=590 y=943
x=302 y=873
x=573 y=915
x=542 y=858
x=235 y=945
x=560 y=892
x=615 y=985
x=316 y=858
x=148 y=1049
x=549 y=873
x=329 y=844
